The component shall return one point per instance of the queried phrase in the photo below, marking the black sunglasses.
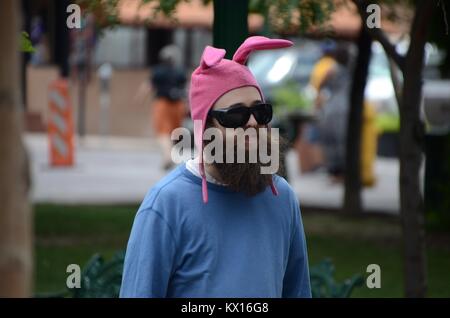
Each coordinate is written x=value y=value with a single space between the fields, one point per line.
x=238 y=115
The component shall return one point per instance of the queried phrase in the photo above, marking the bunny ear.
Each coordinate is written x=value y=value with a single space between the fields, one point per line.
x=211 y=56
x=258 y=43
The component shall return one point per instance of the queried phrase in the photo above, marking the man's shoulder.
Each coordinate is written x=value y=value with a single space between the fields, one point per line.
x=283 y=186
x=168 y=190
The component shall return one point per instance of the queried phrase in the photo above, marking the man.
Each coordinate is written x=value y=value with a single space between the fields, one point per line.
x=333 y=99
x=168 y=108
x=245 y=238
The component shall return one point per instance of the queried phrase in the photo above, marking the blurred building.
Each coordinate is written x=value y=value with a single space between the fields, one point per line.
x=132 y=49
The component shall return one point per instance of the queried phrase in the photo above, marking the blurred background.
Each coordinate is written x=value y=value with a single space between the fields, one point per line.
x=364 y=104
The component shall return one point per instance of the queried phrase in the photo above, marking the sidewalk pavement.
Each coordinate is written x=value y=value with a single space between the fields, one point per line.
x=120 y=170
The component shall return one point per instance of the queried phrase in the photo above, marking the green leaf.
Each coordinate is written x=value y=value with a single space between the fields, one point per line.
x=25 y=43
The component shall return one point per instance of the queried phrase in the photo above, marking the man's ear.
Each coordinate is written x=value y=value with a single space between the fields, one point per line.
x=258 y=43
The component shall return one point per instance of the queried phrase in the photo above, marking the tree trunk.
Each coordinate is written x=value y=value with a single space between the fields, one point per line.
x=412 y=135
x=15 y=215
x=352 y=197
x=230 y=25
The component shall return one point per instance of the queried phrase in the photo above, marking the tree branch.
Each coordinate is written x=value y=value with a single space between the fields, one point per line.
x=420 y=25
x=379 y=35
x=396 y=81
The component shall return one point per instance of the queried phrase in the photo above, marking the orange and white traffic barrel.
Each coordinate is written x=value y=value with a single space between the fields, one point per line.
x=60 y=124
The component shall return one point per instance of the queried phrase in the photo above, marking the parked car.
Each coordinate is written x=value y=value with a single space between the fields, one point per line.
x=276 y=68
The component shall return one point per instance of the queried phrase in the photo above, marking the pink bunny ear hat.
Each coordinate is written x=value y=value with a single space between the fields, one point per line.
x=216 y=76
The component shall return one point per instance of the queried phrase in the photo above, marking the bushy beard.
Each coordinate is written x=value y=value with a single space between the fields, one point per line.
x=246 y=177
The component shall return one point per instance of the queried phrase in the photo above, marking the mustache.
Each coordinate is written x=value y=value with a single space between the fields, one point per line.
x=246 y=177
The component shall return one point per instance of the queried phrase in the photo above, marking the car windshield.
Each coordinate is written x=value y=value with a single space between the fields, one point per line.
x=261 y=63
x=274 y=66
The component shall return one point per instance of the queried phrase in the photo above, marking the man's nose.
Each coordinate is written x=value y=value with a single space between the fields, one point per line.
x=252 y=121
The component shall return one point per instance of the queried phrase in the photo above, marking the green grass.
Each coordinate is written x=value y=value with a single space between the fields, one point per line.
x=353 y=243
x=72 y=234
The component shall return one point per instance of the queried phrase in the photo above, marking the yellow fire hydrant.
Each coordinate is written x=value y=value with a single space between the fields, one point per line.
x=369 y=140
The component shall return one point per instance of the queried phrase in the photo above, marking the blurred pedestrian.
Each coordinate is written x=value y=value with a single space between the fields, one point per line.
x=39 y=38
x=168 y=81
x=323 y=66
x=333 y=104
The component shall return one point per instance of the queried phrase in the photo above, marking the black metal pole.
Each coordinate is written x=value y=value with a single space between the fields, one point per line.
x=61 y=37
x=230 y=25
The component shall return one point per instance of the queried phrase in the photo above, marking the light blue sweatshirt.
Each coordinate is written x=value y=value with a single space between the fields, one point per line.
x=232 y=246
